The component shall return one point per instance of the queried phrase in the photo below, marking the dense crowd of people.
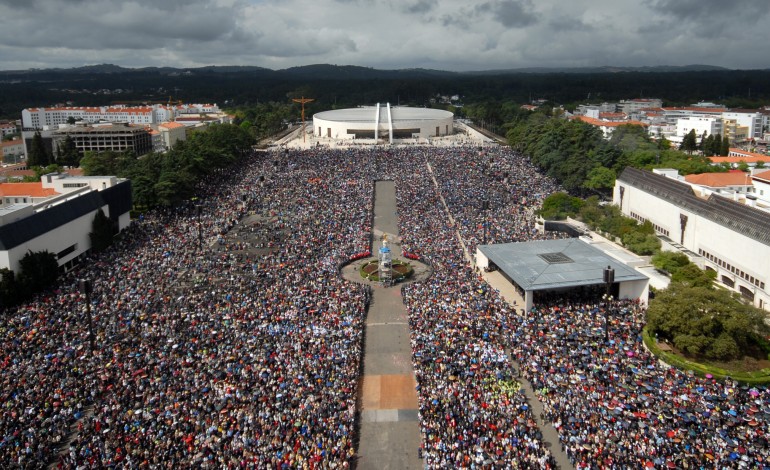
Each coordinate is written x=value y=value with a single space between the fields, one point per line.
x=615 y=406
x=247 y=353
x=473 y=413
x=204 y=358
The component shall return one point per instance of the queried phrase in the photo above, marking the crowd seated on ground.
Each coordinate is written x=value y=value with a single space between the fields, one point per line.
x=204 y=358
x=246 y=354
x=616 y=406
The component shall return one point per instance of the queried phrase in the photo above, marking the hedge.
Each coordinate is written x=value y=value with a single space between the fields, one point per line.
x=760 y=377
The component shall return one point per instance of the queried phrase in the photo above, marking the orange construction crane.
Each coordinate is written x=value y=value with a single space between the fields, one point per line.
x=303 y=100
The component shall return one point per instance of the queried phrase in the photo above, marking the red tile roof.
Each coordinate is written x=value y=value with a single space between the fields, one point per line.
x=25 y=189
x=11 y=143
x=171 y=125
x=765 y=175
x=719 y=180
x=695 y=108
x=599 y=122
x=745 y=153
x=761 y=158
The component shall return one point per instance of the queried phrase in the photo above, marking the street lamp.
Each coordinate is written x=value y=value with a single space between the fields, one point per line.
x=86 y=288
x=484 y=209
x=609 y=279
x=198 y=210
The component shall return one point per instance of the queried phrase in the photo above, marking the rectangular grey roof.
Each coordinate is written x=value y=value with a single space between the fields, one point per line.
x=525 y=265
x=733 y=215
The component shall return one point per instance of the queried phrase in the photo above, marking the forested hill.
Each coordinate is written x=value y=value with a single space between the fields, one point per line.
x=342 y=86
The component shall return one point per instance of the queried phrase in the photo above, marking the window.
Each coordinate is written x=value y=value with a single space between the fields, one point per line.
x=66 y=251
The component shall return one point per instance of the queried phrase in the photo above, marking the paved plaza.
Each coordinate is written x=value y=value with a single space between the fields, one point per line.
x=390 y=435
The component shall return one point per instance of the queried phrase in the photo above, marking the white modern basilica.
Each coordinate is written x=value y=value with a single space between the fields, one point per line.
x=383 y=122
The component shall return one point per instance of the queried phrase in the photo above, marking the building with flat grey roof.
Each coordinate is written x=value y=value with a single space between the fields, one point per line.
x=560 y=265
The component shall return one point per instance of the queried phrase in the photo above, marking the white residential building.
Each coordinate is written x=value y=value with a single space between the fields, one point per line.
x=47 y=118
x=703 y=126
x=750 y=119
x=761 y=182
x=635 y=105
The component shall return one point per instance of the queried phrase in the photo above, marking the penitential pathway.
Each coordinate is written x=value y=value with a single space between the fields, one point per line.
x=389 y=433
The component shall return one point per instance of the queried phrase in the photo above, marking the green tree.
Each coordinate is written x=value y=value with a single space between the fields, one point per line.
x=559 y=206
x=689 y=142
x=692 y=275
x=600 y=178
x=67 y=153
x=38 y=154
x=591 y=213
x=670 y=261
x=641 y=239
x=9 y=291
x=725 y=150
x=38 y=271
x=709 y=323
x=102 y=231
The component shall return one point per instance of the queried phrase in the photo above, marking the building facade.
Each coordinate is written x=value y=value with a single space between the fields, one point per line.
x=102 y=138
x=12 y=151
x=635 y=105
x=41 y=118
x=716 y=233
x=752 y=121
x=61 y=223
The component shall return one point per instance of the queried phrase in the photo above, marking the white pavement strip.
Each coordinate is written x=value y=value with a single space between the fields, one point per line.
x=388 y=416
x=387 y=323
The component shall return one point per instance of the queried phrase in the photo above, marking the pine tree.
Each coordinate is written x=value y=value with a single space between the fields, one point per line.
x=101 y=232
x=703 y=143
x=690 y=142
x=38 y=155
x=716 y=145
x=725 y=150
x=68 y=153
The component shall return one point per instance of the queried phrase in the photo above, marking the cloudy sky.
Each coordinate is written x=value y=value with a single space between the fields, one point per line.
x=385 y=34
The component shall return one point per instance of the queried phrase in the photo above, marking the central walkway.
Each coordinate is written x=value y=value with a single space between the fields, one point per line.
x=390 y=434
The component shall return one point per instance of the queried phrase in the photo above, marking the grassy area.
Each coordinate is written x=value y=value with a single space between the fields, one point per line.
x=755 y=377
x=401 y=271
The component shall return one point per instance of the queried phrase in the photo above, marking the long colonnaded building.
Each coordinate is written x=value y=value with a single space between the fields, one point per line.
x=715 y=232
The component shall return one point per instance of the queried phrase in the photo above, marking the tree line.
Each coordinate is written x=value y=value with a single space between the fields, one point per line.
x=169 y=178
x=578 y=156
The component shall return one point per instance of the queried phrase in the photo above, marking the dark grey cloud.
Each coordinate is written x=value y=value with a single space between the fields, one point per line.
x=705 y=18
x=458 y=20
x=122 y=25
x=445 y=34
x=709 y=9
x=569 y=24
x=510 y=13
x=420 y=6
